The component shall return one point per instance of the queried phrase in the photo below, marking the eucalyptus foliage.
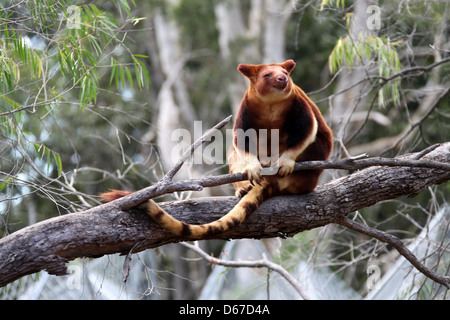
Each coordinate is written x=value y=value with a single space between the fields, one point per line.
x=55 y=53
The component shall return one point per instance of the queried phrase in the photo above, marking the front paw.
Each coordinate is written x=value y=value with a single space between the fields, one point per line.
x=253 y=173
x=286 y=167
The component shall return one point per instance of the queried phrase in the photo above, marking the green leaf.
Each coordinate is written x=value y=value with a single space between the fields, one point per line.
x=126 y=6
x=13 y=103
x=140 y=56
x=130 y=77
x=122 y=76
x=113 y=70
x=143 y=72
x=58 y=162
x=90 y=57
x=6 y=182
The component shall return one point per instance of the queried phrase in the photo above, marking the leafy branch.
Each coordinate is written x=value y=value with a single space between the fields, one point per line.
x=77 y=50
x=373 y=48
x=66 y=52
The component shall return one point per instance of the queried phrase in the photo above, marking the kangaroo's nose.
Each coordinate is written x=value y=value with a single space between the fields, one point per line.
x=281 y=78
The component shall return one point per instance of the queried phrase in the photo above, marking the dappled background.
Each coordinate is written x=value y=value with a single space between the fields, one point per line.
x=91 y=95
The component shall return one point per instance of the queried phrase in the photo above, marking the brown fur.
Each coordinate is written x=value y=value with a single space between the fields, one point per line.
x=268 y=104
x=272 y=101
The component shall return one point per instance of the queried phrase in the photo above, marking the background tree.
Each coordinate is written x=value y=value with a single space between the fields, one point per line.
x=90 y=95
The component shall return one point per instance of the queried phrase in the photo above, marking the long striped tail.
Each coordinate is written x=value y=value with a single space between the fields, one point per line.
x=247 y=205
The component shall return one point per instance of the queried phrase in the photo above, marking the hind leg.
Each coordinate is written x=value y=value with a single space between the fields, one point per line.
x=242 y=188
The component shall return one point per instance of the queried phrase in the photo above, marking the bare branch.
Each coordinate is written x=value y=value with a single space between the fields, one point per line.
x=262 y=263
x=415 y=70
x=419 y=122
x=208 y=134
x=397 y=244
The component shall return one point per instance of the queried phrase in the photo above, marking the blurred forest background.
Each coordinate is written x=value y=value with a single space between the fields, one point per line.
x=91 y=93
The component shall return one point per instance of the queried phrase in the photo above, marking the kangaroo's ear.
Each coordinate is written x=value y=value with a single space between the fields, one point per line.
x=248 y=70
x=288 y=65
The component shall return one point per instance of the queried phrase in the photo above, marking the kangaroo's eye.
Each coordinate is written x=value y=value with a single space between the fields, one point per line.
x=267 y=75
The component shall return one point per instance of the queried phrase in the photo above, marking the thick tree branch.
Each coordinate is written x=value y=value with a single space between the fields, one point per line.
x=166 y=186
x=108 y=229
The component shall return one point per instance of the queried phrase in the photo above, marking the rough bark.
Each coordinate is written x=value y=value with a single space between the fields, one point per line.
x=105 y=229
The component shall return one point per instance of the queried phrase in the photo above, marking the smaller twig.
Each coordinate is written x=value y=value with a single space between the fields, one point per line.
x=208 y=134
x=262 y=263
x=352 y=164
x=126 y=264
x=397 y=244
x=418 y=70
x=419 y=122
x=380 y=81
x=358 y=157
x=426 y=151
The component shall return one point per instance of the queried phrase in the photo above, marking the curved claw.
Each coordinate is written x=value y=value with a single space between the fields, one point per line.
x=253 y=173
x=243 y=191
x=286 y=167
